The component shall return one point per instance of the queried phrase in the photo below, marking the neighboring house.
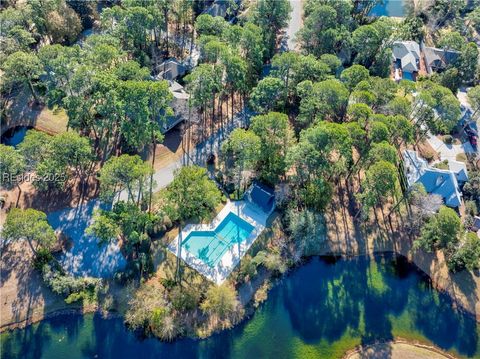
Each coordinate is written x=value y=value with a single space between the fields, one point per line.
x=406 y=58
x=437 y=60
x=261 y=196
x=170 y=70
x=180 y=106
x=218 y=8
x=435 y=181
x=223 y=8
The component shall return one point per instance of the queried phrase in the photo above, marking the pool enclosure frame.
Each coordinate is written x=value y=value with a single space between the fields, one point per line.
x=247 y=211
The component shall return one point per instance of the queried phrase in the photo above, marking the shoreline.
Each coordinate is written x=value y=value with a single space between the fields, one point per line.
x=249 y=309
x=357 y=351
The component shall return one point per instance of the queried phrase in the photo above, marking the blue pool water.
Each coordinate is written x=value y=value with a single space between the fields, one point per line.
x=209 y=246
x=408 y=76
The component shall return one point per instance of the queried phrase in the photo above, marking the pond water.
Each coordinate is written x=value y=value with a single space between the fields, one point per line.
x=395 y=8
x=15 y=135
x=320 y=310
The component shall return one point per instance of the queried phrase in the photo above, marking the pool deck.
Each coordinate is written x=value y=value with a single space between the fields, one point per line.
x=217 y=274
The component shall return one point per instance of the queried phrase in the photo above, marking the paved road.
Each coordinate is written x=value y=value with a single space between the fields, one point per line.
x=198 y=156
x=449 y=152
x=294 y=24
x=86 y=257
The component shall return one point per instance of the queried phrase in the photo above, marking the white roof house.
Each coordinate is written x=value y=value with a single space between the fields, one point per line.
x=408 y=52
x=414 y=166
x=435 y=180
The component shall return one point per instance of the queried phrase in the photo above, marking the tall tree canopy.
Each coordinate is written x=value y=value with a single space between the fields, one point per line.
x=276 y=136
x=30 y=225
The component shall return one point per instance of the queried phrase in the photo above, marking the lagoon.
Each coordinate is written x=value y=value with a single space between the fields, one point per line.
x=321 y=309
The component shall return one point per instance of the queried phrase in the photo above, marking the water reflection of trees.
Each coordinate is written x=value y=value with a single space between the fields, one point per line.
x=324 y=301
x=321 y=301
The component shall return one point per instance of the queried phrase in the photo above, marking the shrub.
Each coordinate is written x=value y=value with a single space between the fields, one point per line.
x=248 y=268
x=448 y=139
x=164 y=325
x=462 y=157
x=220 y=301
x=467 y=255
x=307 y=229
x=471 y=208
x=272 y=261
x=184 y=299
x=141 y=307
x=261 y=294
x=70 y=287
x=167 y=283
x=442 y=165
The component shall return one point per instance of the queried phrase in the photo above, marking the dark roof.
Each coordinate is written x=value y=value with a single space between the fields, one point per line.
x=262 y=196
x=171 y=69
x=222 y=8
x=180 y=107
x=439 y=59
x=476 y=223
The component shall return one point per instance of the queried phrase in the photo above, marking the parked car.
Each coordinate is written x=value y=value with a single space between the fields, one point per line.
x=473 y=141
x=470 y=131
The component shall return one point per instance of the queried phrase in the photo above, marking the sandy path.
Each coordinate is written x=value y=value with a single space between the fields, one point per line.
x=397 y=350
x=22 y=293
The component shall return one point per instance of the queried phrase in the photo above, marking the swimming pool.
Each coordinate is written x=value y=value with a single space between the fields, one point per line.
x=210 y=246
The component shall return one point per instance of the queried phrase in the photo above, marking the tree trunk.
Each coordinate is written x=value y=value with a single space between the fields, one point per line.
x=29 y=241
x=165 y=14
x=34 y=93
x=233 y=113
x=19 y=195
x=154 y=140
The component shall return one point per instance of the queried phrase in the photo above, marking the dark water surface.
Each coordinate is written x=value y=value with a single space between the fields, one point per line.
x=15 y=135
x=320 y=310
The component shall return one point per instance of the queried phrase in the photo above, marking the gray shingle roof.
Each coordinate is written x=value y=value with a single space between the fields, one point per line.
x=408 y=52
x=171 y=70
x=180 y=107
x=439 y=59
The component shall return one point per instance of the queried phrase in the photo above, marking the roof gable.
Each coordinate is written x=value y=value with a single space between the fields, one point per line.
x=402 y=48
x=262 y=196
x=443 y=183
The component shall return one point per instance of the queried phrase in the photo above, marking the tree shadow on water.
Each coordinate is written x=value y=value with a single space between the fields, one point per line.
x=445 y=326
x=32 y=341
x=363 y=296
x=321 y=299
